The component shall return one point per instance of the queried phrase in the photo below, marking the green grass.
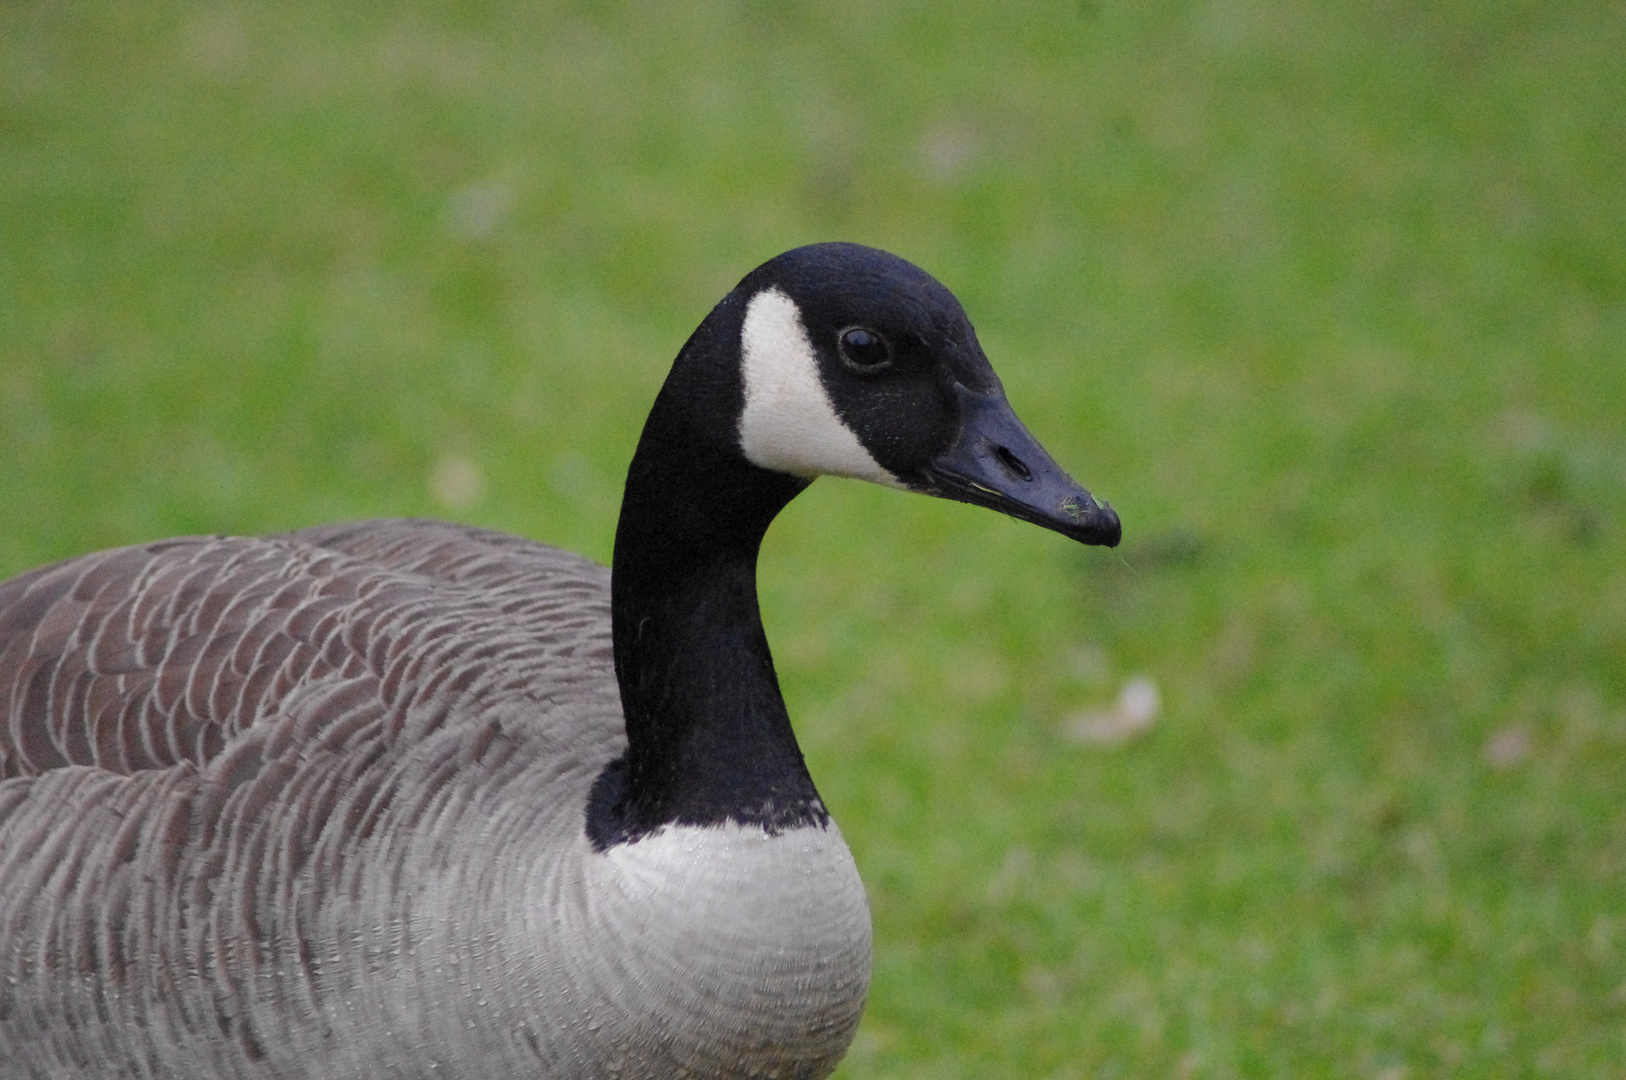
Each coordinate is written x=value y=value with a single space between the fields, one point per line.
x=1328 y=299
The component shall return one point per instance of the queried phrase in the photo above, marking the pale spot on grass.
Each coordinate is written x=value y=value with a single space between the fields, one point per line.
x=446 y=60
x=948 y=149
x=456 y=482
x=217 y=43
x=1235 y=653
x=1012 y=878
x=478 y=210
x=1131 y=716
x=1507 y=747
x=1042 y=984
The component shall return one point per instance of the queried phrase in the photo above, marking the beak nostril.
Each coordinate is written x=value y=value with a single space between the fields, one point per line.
x=1013 y=463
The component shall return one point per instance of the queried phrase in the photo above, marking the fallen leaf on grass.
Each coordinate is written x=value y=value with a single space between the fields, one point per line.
x=1131 y=716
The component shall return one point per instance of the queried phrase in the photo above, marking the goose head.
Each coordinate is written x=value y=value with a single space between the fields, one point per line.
x=854 y=362
x=829 y=360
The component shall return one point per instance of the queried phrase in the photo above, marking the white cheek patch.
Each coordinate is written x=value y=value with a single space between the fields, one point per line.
x=788 y=423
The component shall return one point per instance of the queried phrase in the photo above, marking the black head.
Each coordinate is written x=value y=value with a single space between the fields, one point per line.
x=854 y=362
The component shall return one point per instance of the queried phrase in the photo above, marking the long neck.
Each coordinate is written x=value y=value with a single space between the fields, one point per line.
x=708 y=737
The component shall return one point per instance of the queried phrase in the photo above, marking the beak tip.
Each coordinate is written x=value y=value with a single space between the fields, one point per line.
x=1094 y=521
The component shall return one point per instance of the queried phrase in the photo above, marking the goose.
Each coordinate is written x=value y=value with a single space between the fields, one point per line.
x=401 y=798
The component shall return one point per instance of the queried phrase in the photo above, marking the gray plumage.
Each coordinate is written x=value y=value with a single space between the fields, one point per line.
x=311 y=805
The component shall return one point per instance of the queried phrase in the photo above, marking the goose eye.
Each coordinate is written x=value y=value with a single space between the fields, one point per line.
x=864 y=351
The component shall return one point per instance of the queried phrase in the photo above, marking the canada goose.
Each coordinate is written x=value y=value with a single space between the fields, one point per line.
x=407 y=799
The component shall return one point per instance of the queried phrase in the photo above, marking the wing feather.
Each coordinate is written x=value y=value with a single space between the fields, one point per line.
x=147 y=657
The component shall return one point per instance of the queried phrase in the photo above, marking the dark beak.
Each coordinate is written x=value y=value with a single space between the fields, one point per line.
x=996 y=463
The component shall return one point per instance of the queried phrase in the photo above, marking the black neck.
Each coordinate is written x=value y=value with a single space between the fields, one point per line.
x=708 y=737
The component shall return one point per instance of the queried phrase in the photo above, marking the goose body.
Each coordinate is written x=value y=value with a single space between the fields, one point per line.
x=409 y=799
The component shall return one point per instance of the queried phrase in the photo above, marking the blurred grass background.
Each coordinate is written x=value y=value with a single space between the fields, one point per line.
x=1329 y=299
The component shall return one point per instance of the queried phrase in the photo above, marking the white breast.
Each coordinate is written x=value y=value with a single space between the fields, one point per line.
x=756 y=944
x=706 y=952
